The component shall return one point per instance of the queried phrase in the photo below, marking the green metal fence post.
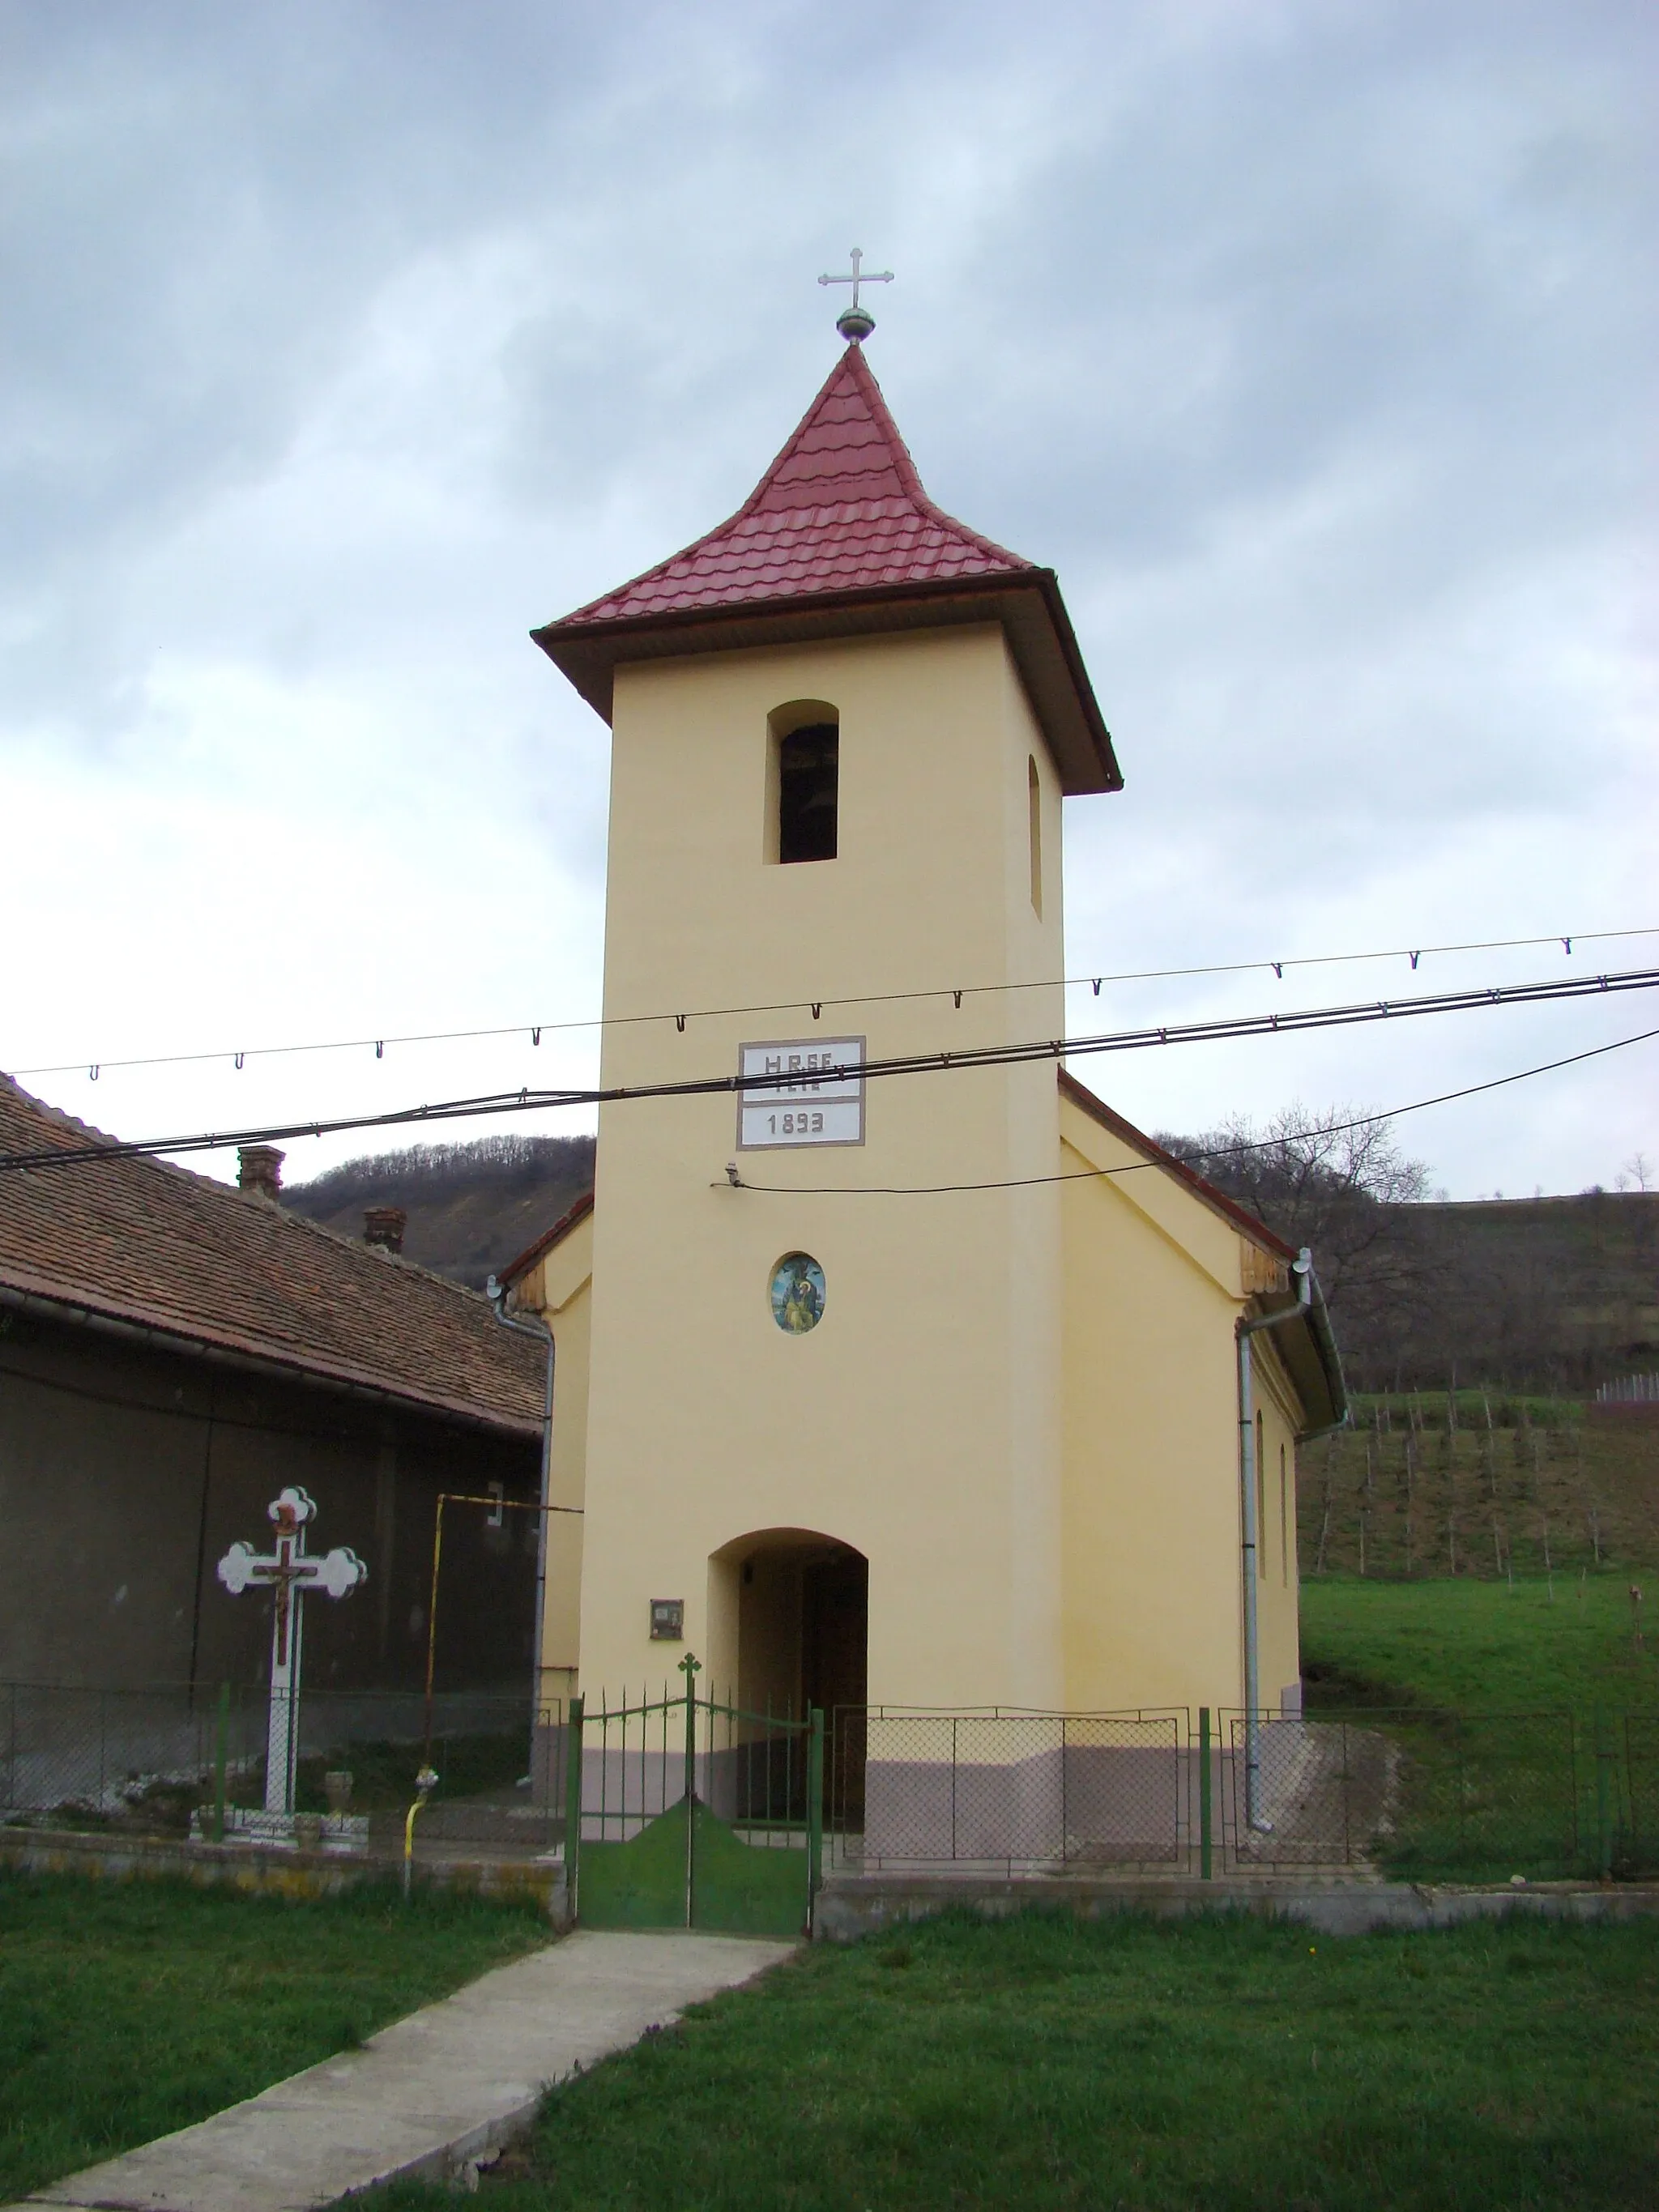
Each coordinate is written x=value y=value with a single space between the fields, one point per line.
x=690 y=1666
x=814 y=1813
x=1603 y=1797
x=221 y=1734
x=572 y=1803
x=1204 y=1828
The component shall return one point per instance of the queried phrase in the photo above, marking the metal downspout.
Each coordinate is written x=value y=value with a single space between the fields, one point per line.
x=498 y=1294
x=1302 y=1269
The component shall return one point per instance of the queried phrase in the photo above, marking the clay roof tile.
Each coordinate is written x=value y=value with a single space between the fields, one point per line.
x=839 y=538
x=141 y=1242
x=840 y=508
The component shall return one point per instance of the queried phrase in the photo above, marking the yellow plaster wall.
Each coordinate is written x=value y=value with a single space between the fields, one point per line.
x=1151 y=1596
x=1021 y=1403
x=1155 y=1281
x=920 y=1421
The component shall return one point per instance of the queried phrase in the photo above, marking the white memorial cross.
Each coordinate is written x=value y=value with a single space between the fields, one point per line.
x=287 y=1570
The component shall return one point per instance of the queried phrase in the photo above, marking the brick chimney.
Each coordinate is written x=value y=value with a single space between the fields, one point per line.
x=384 y=1225
x=259 y=1169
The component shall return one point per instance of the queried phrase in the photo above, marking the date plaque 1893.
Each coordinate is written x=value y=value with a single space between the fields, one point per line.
x=805 y=1090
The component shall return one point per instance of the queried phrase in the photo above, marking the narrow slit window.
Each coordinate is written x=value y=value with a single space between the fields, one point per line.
x=1260 y=1507
x=809 y=764
x=1284 y=1519
x=1034 y=800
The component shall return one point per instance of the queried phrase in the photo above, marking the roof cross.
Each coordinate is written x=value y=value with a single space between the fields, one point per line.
x=855 y=323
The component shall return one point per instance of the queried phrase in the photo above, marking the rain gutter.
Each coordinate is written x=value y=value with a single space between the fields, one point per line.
x=1302 y=1271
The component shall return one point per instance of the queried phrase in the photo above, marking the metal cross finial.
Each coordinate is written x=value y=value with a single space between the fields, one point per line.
x=855 y=323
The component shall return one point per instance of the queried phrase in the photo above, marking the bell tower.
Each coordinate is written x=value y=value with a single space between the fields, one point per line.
x=825 y=1349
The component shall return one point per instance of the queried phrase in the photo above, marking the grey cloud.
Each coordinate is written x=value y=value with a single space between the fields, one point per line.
x=1308 y=342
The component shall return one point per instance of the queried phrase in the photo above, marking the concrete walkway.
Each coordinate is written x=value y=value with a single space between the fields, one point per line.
x=431 y=2096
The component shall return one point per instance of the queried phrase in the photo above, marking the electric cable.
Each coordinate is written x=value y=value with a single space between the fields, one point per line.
x=536 y=1030
x=1220 y=1151
x=982 y=1056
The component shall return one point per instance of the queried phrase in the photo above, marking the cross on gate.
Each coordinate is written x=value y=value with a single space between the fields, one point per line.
x=287 y=1570
x=855 y=322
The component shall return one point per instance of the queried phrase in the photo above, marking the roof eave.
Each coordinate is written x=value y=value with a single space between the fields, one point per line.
x=224 y=1347
x=1241 y=1218
x=1307 y=1349
x=514 y=1273
x=1027 y=603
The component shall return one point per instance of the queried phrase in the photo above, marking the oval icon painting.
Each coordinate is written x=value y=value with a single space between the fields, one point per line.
x=797 y=1293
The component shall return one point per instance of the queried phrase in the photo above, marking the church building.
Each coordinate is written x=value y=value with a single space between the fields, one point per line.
x=917 y=1386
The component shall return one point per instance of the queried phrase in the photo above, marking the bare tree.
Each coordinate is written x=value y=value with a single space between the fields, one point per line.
x=1348 y=1191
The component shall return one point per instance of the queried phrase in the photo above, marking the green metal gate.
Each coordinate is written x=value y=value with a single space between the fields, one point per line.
x=687 y=1812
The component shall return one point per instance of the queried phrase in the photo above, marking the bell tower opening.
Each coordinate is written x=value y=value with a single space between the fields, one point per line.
x=804 y=792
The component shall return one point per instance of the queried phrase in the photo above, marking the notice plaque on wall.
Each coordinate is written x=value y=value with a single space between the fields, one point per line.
x=806 y=1090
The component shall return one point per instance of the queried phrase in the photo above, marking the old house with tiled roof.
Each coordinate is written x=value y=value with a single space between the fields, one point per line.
x=173 y=1352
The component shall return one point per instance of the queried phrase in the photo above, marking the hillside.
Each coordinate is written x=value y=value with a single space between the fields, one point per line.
x=1479 y=1484
x=1551 y=1294
x=471 y=1207
x=1542 y=1293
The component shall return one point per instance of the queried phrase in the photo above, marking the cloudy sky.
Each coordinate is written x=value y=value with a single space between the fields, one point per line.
x=1312 y=341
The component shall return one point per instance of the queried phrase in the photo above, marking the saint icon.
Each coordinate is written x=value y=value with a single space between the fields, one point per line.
x=797 y=1293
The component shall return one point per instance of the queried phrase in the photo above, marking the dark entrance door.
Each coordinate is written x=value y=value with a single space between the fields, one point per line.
x=835 y=1635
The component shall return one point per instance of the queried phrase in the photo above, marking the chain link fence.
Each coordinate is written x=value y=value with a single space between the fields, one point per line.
x=1009 y=1792
x=1641 y=1763
x=1409 y=1794
x=1444 y=1796
x=156 y=1760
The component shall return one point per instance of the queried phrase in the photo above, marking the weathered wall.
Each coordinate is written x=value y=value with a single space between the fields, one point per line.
x=126 y=1475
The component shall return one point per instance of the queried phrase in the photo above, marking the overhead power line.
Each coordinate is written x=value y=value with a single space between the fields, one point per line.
x=1218 y=1152
x=927 y=1063
x=535 y=1031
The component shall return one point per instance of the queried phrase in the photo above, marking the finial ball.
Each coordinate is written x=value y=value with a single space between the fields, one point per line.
x=855 y=324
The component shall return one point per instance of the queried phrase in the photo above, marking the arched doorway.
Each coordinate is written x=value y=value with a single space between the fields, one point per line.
x=790 y=1617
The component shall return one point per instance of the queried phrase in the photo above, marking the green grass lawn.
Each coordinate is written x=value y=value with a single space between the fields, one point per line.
x=1478 y=1645
x=1045 y=2062
x=1524 y=1731
x=131 y=2008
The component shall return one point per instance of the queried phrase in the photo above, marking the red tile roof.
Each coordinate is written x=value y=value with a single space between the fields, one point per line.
x=1110 y=1118
x=137 y=1242
x=515 y=1270
x=837 y=540
x=1303 y=1338
x=842 y=508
